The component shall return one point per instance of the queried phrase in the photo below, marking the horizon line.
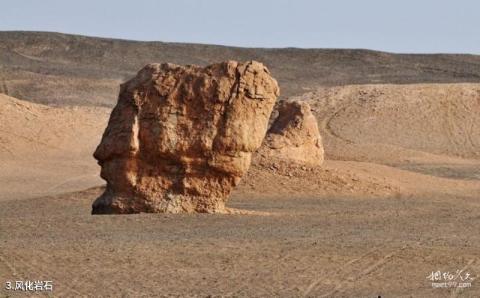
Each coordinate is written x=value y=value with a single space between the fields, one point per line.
x=236 y=46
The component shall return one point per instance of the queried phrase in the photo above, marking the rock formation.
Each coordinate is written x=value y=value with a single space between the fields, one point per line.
x=181 y=137
x=294 y=135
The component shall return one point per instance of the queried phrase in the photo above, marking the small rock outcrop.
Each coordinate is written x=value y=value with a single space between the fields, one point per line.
x=294 y=135
x=181 y=137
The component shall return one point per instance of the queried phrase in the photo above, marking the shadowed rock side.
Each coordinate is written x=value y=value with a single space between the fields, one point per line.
x=294 y=135
x=181 y=137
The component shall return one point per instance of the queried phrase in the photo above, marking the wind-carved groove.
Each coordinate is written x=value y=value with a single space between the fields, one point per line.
x=327 y=124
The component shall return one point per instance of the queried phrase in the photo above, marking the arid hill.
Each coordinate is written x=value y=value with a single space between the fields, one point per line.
x=392 y=123
x=425 y=128
x=60 y=69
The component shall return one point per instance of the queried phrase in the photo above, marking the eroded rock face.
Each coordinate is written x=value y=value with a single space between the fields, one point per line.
x=181 y=137
x=294 y=135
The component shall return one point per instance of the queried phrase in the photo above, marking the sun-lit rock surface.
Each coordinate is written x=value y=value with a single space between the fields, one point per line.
x=294 y=135
x=181 y=137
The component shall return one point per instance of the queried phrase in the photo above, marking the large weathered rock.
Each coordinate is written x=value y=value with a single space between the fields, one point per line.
x=294 y=135
x=180 y=137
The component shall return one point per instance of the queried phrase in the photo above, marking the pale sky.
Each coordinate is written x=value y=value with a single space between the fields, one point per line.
x=407 y=26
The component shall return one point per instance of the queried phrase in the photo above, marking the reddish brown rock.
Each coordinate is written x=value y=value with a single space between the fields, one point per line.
x=294 y=135
x=181 y=137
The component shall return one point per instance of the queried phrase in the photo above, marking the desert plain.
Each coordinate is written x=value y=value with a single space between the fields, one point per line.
x=397 y=198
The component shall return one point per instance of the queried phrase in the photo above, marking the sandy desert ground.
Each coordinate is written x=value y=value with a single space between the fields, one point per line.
x=397 y=198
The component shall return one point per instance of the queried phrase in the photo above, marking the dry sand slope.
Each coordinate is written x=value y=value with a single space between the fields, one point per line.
x=46 y=150
x=412 y=126
x=397 y=198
